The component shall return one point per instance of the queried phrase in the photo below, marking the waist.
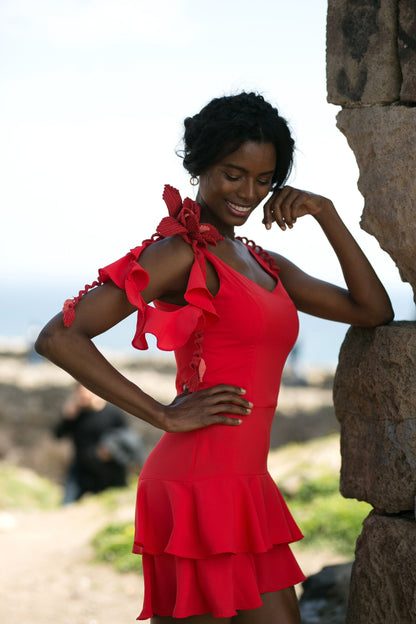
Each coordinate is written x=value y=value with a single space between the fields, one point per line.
x=214 y=450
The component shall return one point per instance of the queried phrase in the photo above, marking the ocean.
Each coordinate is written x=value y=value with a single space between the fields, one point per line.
x=26 y=307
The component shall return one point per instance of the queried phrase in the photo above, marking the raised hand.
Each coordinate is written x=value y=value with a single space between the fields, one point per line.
x=206 y=407
x=286 y=205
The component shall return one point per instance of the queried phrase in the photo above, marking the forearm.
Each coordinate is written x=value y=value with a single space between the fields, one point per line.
x=365 y=289
x=76 y=353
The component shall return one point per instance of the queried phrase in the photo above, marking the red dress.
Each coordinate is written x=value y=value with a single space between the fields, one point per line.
x=211 y=525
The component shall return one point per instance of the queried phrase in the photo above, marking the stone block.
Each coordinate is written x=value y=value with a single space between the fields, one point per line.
x=375 y=402
x=362 y=57
x=383 y=139
x=407 y=49
x=383 y=579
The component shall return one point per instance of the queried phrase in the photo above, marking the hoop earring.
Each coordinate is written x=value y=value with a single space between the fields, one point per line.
x=194 y=181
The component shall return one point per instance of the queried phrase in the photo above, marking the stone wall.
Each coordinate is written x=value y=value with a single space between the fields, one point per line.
x=375 y=401
x=371 y=73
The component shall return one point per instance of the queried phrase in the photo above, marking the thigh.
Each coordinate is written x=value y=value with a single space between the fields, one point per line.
x=207 y=618
x=280 y=607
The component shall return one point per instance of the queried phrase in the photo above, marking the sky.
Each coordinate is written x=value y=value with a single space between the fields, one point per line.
x=93 y=94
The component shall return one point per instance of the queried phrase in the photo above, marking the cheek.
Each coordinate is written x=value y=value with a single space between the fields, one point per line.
x=207 y=183
x=261 y=195
x=204 y=186
x=212 y=185
x=265 y=192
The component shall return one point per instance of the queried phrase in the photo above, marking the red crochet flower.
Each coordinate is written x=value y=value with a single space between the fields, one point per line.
x=184 y=219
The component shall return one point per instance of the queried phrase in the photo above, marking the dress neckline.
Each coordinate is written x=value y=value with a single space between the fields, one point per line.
x=266 y=269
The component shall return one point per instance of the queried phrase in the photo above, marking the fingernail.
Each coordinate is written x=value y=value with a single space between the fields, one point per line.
x=268 y=226
x=242 y=391
x=250 y=404
x=239 y=421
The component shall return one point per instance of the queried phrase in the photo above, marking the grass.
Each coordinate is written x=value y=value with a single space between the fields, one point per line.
x=113 y=545
x=112 y=498
x=326 y=518
x=23 y=489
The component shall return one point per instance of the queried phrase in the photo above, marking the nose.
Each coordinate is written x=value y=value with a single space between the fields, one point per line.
x=247 y=190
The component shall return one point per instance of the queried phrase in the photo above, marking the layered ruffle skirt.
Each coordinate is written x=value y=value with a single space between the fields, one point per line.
x=213 y=545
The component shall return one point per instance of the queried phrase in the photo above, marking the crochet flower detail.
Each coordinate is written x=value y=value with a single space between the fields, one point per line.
x=184 y=220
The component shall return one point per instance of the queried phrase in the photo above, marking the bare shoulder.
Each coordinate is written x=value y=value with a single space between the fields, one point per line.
x=287 y=268
x=294 y=279
x=168 y=263
x=173 y=252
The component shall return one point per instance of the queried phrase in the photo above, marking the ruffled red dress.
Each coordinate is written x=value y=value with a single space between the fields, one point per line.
x=211 y=525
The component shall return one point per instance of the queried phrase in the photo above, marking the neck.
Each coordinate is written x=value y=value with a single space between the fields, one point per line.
x=227 y=231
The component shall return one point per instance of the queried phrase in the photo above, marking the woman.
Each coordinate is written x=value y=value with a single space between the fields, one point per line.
x=210 y=523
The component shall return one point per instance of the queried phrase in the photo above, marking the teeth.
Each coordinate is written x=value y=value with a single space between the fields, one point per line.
x=240 y=208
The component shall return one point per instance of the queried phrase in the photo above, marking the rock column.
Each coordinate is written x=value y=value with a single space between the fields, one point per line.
x=371 y=73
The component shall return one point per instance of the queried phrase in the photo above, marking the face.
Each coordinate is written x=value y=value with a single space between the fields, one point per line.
x=230 y=190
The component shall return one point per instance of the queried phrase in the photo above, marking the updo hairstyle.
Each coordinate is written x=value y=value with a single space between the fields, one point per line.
x=225 y=123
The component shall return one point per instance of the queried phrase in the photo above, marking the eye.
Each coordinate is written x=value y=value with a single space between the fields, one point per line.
x=231 y=178
x=264 y=182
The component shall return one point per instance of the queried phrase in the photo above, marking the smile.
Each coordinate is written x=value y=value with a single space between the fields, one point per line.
x=236 y=208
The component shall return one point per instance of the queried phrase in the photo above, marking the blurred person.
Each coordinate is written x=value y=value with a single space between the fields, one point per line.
x=104 y=446
x=211 y=525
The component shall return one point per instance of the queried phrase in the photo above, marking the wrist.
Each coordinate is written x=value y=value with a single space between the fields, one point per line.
x=326 y=212
x=155 y=414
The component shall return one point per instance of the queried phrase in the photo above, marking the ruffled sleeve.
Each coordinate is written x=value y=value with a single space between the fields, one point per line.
x=172 y=325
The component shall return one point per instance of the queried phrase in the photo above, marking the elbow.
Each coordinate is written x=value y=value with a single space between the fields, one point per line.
x=389 y=317
x=50 y=341
x=380 y=317
x=43 y=344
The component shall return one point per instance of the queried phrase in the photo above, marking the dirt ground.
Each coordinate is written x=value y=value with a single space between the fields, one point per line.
x=47 y=574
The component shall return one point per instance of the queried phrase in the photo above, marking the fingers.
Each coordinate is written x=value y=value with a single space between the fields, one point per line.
x=221 y=419
x=221 y=404
x=221 y=399
x=287 y=204
x=223 y=394
x=280 y=208
x=273 y=212
x=226 y=388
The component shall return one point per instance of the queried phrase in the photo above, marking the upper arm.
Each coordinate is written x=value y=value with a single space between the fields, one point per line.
x=317 y=297
x=167 y=262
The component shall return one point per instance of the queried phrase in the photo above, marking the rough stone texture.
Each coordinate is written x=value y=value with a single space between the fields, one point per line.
x=383 y=139
x=375 y=402
x=407 y=49
x=362 y=57
x=383 y=581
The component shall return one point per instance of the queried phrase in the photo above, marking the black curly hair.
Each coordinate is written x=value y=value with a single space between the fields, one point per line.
x=225 y=123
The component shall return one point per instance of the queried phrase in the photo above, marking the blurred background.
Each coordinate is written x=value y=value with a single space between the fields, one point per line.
x=92 y=100
x=93 y=94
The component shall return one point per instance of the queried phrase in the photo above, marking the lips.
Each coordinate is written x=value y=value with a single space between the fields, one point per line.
x=238 y=208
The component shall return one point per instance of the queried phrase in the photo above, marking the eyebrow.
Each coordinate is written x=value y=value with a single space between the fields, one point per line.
x=245 y=170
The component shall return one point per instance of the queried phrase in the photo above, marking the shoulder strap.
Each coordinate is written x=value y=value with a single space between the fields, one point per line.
x=263 y=256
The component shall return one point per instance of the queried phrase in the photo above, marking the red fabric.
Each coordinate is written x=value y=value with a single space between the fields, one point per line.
x=206 y=506
x=172 y=325
x=219 y=585
x=211 y=524
x=184 y=219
